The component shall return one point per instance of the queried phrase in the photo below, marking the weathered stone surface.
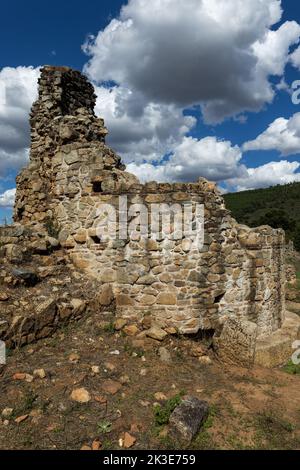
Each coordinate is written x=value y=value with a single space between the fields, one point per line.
x=180 y=282
x=276 y=349
x=156 y=333
x=237 y=342
x=187 y=419
x=291 y=274
x=148 y=299
x=167 y=299
x=106 y=295
x=165 y=355
x=80 y=236
x=78 y=306
x=30 y=278
x=3 y=297
x=123 y=300
x=120 y=323
x=131 y=330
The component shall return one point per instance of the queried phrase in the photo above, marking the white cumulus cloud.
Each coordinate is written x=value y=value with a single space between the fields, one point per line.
x=140 y=130
x=282 y=135
x=18 y=91
x=209 y=157
x=7 y=199
x=295 y=58
x=219 y=53
x=270 y=174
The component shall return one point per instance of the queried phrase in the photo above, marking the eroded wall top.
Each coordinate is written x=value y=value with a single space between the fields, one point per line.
x=62 y=116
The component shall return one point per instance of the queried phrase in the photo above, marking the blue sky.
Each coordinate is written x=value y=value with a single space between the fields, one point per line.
x=34 y=33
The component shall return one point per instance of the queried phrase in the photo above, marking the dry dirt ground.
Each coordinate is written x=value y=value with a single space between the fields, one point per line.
x=124 y=378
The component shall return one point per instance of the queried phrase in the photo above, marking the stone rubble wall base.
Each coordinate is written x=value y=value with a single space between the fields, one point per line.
x=45 y=319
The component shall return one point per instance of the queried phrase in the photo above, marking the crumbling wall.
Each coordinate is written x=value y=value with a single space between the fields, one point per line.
x=237 y=273
x=63 y=113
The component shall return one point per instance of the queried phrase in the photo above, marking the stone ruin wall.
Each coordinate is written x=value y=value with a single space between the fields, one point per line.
x=239 y=272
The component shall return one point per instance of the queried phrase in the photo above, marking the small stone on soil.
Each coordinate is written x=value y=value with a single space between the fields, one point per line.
x=74 y=357
x=205 y=360
x=156 y=333
x=128 y=441
x=164 y=355
x=3 y=297
x=81 y=395
x=96 y=445
x=159 y=396
x=187 y=419
x=40 y=373
x=111 y=386
x=7 y=412
x=20 y=419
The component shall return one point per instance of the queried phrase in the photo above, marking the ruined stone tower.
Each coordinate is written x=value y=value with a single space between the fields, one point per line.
x=62 y=118
x=233 y=285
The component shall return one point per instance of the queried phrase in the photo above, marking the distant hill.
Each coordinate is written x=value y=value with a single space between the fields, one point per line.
x=278 y=206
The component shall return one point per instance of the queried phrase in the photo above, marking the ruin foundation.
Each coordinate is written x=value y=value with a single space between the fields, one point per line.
x=232 y=285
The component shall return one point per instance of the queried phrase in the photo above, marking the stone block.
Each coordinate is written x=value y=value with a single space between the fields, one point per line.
x=187 y=419
x=106 y=295
x=166 y=298
x=237 y=342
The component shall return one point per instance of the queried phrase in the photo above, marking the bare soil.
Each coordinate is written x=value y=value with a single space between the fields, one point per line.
x=249 y=409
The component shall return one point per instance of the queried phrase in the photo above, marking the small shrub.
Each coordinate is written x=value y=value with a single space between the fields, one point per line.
x=109 y=328
x=51 y=229
x=104 y=426
x=270 y=423
x=162 y=413
x=292 y=368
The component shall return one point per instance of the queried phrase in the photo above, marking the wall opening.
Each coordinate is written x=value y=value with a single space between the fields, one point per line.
x=205 y=336
x=96 y=239
x=97 y=187
x=218 y=298
x=20 y=213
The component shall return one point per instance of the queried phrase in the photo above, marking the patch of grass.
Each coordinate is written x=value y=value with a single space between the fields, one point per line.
x=291 y=368
x=274 y=432
x=44 y=406
x=26 y=404
x=107 y=444
x=139 y=352
x=109 y=328
x=162 y=413
x=9 y=352
x=213 y=411
x=235 y=443
x=104 y=427
x=167 y=443
x=229 y=409
x=204 y=441
x=28 y=442
x=58 y=430
x=179 y=354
